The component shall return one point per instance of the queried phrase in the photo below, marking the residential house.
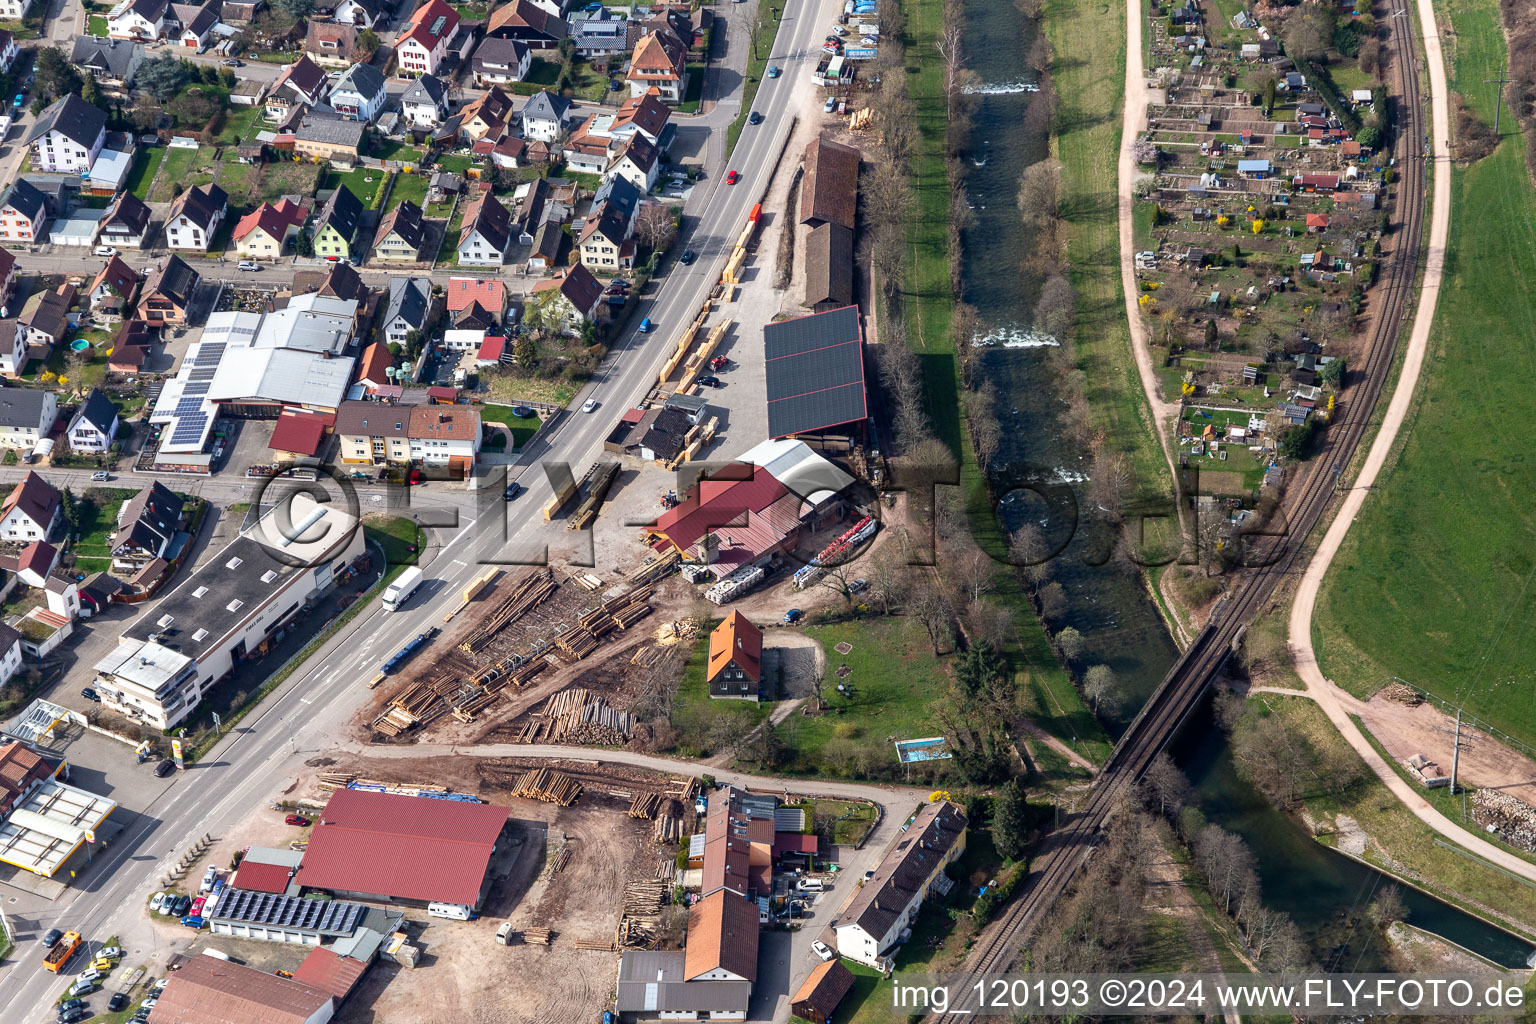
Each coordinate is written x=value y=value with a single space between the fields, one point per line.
x=887 y=903
x=644 y=115
x=487 y=116
x=585 y=155
x=660 y=63
x=130 y=348
x=7 y=279
x=622 y=195
x=498 y=61
x=13 y=348
x=94 y=424
x=26 y=417
x=638 y=163
x=111 y=62
x=510 y=153
x=141 y=20
x=377 y=434
x=327 y=138
x=264 y=233
x=168 y=292
x=424 y=39
x=372 y=364
x=408 y=309
x=487 y=232
x=829 y=191
x=114 y=287
x=146 y=526
x=194 y=24
x=400 y=234
x=359 y=94
x=32 y=509
x=126 y=224
x=545 y=115
x=302 y=82
x=341 y=282
x=464 y=294
x=576 y=298
x=68 y=136
x=526 y=22
x=604 y=242
x=599 y=35
x=538 y=205
x=735 y=666
x=425 y=103
x=337 y=224
x=45 y=319
x=8 y=53
x=195 y=218
x=444 y=436
x=362 y=13
x=331 y=43
x=14 y=10
x=23 y=212
x=241 y=12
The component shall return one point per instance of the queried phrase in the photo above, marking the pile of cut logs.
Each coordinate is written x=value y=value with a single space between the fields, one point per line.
x=645 y=805
x=548 y=785
x=669 y=829
x=538 y=936
x=526 y=596
x=581 y=716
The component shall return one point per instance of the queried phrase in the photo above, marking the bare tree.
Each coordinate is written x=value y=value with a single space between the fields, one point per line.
x=1054 y=308
x=1071 y=643
x=991 y=623
x=1101 y=688
x=932 y=610
x=1308 y=31
x=1166 y=786
x=986 y=431
x=974 y=571
x=655 y=227
x=1039 y=195
x=838 y=579
x=948 y=45
x=1108 y=481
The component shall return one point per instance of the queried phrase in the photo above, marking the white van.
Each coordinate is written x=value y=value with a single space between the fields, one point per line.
x=810 y=885
x=216 y=953
x=452 y=911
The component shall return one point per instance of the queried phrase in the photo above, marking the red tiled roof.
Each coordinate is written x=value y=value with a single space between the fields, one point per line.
x=300 y=432
x=257 y=877
x=723 y=500
x=425 y=19
x=372 y=363
x=736 y=639
x=443 y=394
x=38 y=557
x=407 y=847
x=492 y=347
x=722 y=935
x=274 y=220
x=326 y=971
x=794 y=842
x=462 y=291
x=1317 y=220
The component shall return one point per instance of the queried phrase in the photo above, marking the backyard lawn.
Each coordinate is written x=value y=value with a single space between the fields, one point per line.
x=97 y=509
x=145 y=162
x=275 y=180
x=366 y=183
x=703 y=723
x=505 y=387
x=389 y=150
x=238 y=124
x=184 y=167
x=522 y=429
x=456 y=164
x=407 y=186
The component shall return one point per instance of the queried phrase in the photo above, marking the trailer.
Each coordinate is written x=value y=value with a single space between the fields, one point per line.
x=403 y=655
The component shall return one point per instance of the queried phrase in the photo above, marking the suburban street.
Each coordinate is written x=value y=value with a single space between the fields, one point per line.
x=303 y=716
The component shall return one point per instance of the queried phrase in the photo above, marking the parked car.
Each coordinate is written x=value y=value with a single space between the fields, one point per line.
x=118 y=1001
x=687 y=258
x=773 y=71
x=839 y=30
x=590 y=405
x=83 y=987
x=646 y=326
x=710 y=381
x=858 y=586
x=155 y=902
x=192 y=921
x=112 y=952
x=73 y=1014
x=165 y=767
x=822 y=950
x=90 y=694
x=733 y=177
x=101 y=474
x=296 y=819
x=793 y=616
x=232 y=63
x=71 y=1004
x=198 y=905
x=754 y=118
x=719 y=363
x=102 y=964
x=90 y=974
x=248 y=265
x=54 y=935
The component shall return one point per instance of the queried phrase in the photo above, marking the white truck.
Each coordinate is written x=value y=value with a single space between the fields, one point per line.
x=400 y=591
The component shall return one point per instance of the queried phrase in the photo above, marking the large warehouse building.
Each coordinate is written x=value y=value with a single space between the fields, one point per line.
x=816 y=385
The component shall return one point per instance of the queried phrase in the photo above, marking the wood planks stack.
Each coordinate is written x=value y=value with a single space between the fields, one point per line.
x=335 y=780
x=526 y=596
x=656 y=569
x=548 y=785
x=606 y=947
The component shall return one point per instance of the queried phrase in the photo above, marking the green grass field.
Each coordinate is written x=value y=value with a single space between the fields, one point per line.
x=522 y=429
x=365 y=183
x=407 y=186
x=1434 y=583
x=703 y=723
x=142 y=175
x=98 y=519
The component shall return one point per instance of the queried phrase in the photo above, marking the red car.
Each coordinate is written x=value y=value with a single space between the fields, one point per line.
x=732 y=178
x=294 y=819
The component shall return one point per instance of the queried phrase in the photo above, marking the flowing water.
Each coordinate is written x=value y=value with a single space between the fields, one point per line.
x=1041 y=475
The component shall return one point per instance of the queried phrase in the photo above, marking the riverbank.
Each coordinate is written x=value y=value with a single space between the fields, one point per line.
x=1433 y=583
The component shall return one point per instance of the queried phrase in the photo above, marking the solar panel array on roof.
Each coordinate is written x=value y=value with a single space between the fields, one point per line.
x=199 y=387
x=188 y=405
x=815 y=372
x=249 y=907
x=189 y=428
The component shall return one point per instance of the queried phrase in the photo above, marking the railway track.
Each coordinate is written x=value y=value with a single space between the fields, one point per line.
x=1066 y=849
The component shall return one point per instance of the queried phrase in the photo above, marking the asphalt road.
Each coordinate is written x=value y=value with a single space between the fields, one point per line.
x=301 y=718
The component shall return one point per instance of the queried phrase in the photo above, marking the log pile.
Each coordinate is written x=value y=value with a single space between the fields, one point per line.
x=683 y=631
x=548 y=785
x=657 y=568
x=561 y=860
x=606 y=947
x=526 y=596
x=538 y=936
x=576 y=643
x=668 y=830
x=643 y=897
x=581 y=716
x=335 y=780
x=645 y=806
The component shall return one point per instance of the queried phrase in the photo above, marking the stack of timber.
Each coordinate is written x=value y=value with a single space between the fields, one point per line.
x=657 y=568
x=576 y=643
x=669 y=829
x=683 y=631
x=643 y=897
x=526 y=596
x=548 y=785
x=581 y=716
x=645 y=806
x=606 y=947
x=415 y=705
x=538 y=936
x=335 y=780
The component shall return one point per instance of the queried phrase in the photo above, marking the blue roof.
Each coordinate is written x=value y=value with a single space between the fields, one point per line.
x=1252 y=165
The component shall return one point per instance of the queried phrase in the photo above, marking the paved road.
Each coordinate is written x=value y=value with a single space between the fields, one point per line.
x=309 y=709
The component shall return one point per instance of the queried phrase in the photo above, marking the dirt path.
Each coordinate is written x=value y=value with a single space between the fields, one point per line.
x=1137 y=98
x=1335 y=702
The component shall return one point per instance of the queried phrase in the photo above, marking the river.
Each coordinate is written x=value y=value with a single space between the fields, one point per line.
x=1109 y=605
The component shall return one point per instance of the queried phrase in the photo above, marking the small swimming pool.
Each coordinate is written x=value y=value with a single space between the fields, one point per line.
x=79 y=344
x=934 y=748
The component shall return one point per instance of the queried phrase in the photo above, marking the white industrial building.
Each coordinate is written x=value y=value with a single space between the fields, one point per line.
x=170 y=656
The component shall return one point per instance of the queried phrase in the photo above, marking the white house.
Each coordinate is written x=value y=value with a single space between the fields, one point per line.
x=31 y=510
x=424 y=39
x=425 y=103
x=544 y=116
x=194 y=24
x=637 y=163
x=94 y=424
x=499 y=61
x=13 y=348
x=577 y=296
x=410 y=302
x=888 y=901
x=195 y=218
x=14 y=10
x=359 y=94
x=442 y=435
x=23 y=211
x=141 y=20
x=8 y=49
x=68 y=136
x=487 y=233
x=10 y=645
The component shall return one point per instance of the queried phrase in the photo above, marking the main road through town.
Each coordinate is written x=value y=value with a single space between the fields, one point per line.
x=308 y=713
